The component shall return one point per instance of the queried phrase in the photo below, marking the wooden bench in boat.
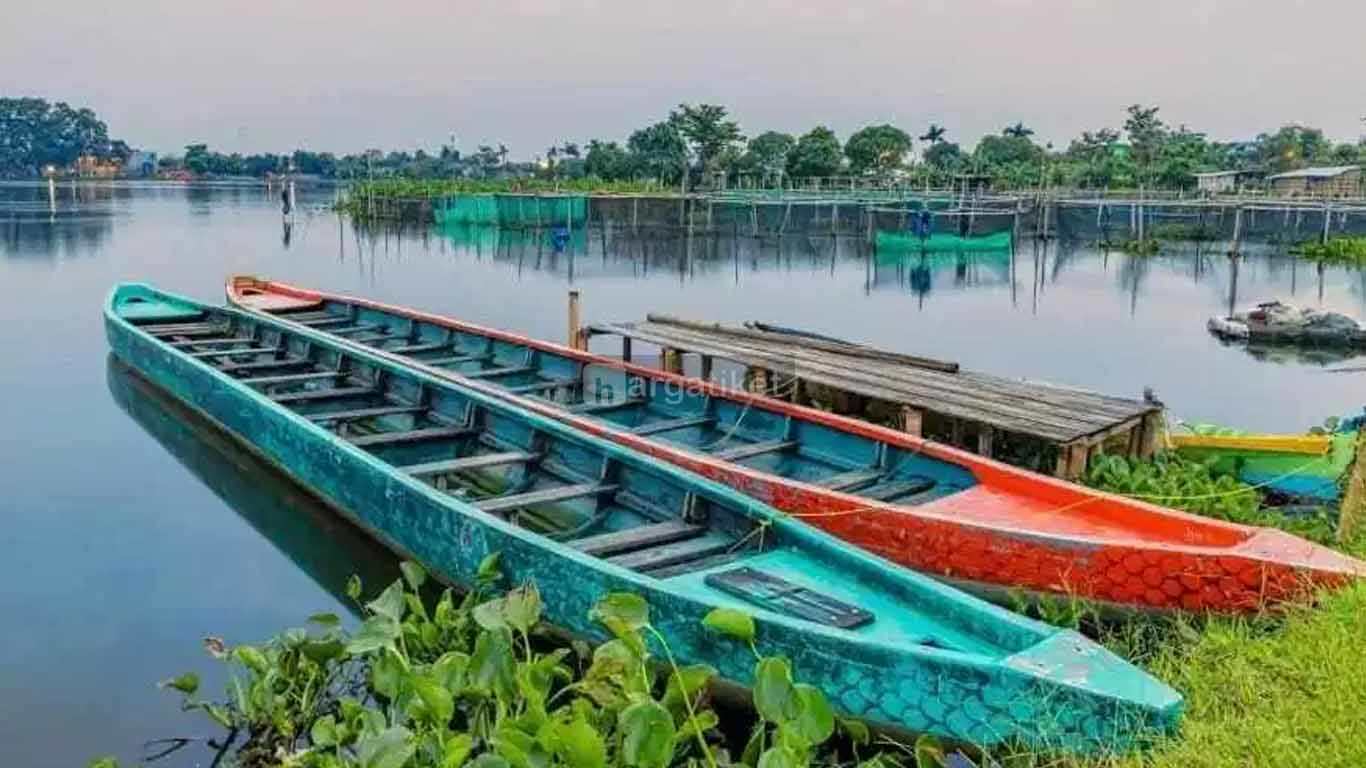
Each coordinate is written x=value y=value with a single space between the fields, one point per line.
x=409 y=436
x=755 y=449
x=639 y=537
x=545 y=496
x=463 y=463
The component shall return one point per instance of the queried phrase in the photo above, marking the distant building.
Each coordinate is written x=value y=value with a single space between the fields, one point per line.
x=1331 y=181
x=92 y=167
x=140 y=164
x=1224 y=182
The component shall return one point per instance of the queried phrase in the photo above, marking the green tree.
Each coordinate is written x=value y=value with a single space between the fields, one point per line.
x=817 y=153
x=1018 y=131
x=659 y=151
x=944 y=157
x=708 y=133
x=607 y=161
x=934 y=134
x=1292 y=147
x=877 y=149
x=767 y=153
x=35 y=134
x=197 y=160
x=1147 y=134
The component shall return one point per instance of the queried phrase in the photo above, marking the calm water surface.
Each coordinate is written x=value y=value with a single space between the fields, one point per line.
x=131 y=532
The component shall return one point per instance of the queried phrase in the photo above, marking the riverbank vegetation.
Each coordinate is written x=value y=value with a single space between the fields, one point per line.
x=1337 y=250
x=705 y=146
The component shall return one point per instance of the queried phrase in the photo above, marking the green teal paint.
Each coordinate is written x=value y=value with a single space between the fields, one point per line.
x=988 y=676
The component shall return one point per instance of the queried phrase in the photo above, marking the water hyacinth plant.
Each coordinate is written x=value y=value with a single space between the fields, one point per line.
x=473 y=682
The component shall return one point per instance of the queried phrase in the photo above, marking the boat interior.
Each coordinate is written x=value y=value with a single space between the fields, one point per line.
x=575 y=492
x=685 y=418
x=762 y=439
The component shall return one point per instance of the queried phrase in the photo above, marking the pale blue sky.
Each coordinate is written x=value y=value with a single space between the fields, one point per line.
x=255 y=75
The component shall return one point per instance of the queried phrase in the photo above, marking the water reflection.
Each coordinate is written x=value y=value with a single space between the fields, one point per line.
x=311 y=535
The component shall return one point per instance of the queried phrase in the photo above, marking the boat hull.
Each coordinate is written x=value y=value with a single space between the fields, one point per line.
x=1004 y=533
x=1062 y=692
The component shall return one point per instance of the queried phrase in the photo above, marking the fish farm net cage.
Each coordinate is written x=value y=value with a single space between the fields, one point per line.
x=1269 y=222
x=513 y=210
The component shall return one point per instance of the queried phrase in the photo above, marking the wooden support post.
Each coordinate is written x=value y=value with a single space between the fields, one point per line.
x=985 y=436
x=1153 y=434
x=956 y=433
x=706 y=367
x=575 y=326
x=1072 y=460
x=626 y=349
x=1327 y=221
x=912 y=421
x=756 y=380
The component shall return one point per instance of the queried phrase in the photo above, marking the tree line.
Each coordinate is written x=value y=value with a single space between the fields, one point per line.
x=702 y=145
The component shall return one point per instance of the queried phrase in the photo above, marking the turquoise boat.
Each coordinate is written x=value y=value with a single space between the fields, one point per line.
x=447 y=476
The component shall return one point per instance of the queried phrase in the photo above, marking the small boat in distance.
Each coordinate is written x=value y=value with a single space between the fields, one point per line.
x=1304 y=468
x=976 y=522
x=448 y=475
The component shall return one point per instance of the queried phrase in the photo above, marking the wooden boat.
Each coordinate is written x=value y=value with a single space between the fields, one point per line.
x=448 y=475
x=1304 y=468
x=974 y=521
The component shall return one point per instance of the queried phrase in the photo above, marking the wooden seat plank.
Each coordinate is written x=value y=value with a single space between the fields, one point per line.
x=364 y=413
x=324 y=394
x=410 y=436
x=489 y=373
x=281 y=362
x=294 y=378
x=854 y=478
x=639 y=537
x=677 y=553
x=755 y=449
x=670 y=425
x=480 y=461
x=544 y=496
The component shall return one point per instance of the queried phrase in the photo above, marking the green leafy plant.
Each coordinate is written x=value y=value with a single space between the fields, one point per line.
x=475 y=681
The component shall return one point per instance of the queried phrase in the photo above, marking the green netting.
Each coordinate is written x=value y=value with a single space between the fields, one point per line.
x=939 y=242
x=467 y=209
x=513 y=210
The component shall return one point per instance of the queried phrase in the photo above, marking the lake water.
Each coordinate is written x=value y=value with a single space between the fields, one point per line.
x=130 y=532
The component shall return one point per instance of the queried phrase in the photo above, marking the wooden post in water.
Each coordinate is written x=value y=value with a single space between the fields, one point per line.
x=575 y=326
x=1237 y=231
x=635 y=212
x=1327 y=220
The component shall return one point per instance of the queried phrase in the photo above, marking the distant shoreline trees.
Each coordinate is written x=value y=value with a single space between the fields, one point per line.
x=702 y=145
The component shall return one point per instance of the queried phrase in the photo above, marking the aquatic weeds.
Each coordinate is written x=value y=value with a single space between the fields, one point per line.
x=471 y=681
x=1187 y=484
x=1337 y=250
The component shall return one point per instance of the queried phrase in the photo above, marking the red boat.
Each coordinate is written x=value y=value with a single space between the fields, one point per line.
x=977 y=522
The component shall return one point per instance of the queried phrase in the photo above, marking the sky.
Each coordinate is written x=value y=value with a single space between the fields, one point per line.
x=342 y=76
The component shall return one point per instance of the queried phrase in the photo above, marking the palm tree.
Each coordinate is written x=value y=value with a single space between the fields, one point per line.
x=934 y=134
x=502 y=154
x=1018 y=131
x=570 y=149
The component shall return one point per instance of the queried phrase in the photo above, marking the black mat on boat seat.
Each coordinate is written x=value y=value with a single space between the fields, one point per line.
x=780 y=595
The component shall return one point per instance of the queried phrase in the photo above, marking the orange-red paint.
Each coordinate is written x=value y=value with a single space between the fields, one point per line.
x=1014 y=529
